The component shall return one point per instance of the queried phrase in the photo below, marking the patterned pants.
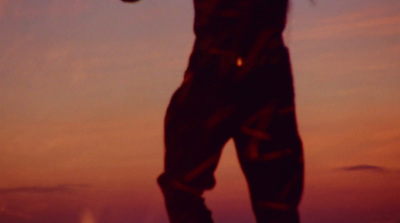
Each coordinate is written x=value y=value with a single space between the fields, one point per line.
x=250 y=100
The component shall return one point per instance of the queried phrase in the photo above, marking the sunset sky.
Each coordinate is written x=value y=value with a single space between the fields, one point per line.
x=84 y=85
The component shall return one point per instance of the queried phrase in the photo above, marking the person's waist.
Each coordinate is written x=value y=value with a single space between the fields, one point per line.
x=231 y=46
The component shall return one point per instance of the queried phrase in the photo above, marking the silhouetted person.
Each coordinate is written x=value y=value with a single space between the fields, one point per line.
x=238 y=85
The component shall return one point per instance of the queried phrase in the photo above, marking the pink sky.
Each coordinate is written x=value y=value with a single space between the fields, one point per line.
x=84 y=85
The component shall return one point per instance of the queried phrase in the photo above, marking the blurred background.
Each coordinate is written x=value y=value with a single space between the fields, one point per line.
x=84 y=85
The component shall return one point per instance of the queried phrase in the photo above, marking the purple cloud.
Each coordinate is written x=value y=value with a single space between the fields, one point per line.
x=63 y=188
x=364 y=167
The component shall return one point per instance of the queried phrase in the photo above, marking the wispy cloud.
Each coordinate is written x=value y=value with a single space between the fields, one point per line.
x=29 y=10
x=374 y=21
x=364 y=167
x=63 y=188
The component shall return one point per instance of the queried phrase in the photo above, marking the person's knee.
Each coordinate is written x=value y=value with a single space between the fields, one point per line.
x=184 y=203
x=175 y=187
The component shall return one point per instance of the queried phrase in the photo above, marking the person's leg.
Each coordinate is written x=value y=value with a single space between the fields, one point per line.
x=271 y=158
x=190 y=161
x=196 y=129
x=269 y=147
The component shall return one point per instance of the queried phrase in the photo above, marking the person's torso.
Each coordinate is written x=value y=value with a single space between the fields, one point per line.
x=236 y=25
